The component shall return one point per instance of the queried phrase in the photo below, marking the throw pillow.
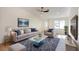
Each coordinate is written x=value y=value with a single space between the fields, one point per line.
x=18 y=32
x=33 y=30
x=27 y=30
x=22 y=31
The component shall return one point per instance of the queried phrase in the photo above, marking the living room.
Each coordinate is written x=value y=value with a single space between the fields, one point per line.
x=40 y=18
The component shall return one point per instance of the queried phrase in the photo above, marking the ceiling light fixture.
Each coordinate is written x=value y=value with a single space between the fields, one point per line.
x=43 y=9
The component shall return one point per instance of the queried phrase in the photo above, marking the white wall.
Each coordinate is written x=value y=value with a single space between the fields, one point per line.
x=8 y=18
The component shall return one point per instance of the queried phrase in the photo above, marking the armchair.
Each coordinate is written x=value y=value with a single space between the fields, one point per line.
x=49 y=32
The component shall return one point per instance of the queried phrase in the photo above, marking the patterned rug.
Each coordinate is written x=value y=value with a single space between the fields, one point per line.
x=49 y=44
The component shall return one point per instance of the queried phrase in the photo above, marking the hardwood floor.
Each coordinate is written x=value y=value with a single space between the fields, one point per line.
x=4 y=47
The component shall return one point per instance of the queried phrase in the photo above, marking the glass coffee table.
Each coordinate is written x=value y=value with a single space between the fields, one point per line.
x=38 y=40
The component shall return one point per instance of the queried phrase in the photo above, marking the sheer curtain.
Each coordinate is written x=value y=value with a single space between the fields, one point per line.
x=59 y=24
x=59 y=27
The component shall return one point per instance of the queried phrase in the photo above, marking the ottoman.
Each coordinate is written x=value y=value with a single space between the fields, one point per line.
x=38 y=44
x=17 y=47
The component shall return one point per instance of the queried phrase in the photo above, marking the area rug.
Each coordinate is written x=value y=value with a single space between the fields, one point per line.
x=50 y=44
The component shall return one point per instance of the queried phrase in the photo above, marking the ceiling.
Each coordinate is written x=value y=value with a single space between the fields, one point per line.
x=54 y=12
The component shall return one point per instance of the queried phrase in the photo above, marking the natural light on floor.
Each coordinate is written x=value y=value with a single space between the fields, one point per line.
x=62 y=36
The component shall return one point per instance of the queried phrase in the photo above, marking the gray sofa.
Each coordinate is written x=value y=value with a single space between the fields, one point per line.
x=22 y=36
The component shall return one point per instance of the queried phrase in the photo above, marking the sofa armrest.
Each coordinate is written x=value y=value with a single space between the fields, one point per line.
x=13 y=35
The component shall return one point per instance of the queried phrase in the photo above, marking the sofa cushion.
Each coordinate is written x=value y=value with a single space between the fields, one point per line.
x=27 y=35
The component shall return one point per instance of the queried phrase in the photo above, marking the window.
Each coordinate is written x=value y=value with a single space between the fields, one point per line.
x=59 y=24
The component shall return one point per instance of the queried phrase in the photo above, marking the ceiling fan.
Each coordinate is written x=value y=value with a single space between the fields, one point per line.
x=44 y=9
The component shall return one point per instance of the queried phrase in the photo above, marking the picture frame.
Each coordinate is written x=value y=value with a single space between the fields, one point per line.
x=22 y=22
